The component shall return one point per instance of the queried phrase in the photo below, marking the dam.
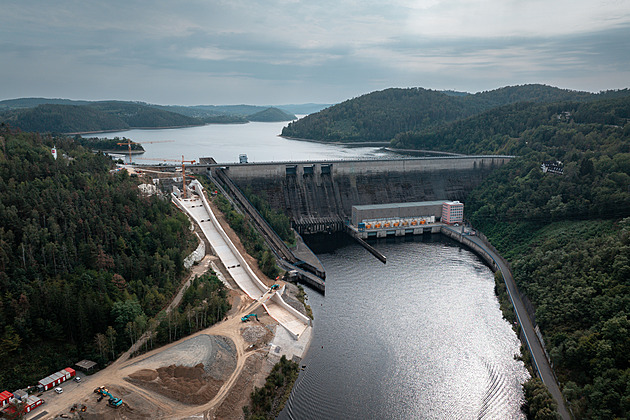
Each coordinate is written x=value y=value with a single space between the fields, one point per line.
x=318 y=195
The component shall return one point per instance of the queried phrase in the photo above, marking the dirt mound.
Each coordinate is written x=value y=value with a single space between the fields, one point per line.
x=145 y=375
x=189 y=385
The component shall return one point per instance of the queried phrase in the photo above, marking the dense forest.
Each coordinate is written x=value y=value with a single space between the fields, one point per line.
x=97 y=116
x=67 y=116
x=108 y=145
x=566 y=235
x=380 y=116
x=271 y=115
x=84 y=256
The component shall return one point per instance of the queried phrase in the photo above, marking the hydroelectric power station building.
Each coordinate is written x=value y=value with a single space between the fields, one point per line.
x=399 y=219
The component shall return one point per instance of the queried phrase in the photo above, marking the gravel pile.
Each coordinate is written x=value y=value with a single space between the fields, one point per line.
x=253 y=333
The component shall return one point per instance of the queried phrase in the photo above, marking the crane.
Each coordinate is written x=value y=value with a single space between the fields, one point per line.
x=183 y=163
x=128 y=143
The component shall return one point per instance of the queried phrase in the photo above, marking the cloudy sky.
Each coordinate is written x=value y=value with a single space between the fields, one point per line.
x=291 y=51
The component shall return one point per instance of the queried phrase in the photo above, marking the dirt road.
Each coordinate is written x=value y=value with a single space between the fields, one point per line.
x=144 y=403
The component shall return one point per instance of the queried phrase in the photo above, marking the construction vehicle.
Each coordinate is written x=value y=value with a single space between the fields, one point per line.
x=113 y=401
x=246 y=317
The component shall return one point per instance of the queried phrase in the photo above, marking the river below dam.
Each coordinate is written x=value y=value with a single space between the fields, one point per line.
x=421 y=337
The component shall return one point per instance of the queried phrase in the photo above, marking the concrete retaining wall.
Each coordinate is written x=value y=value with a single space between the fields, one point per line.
x=197 y=255
x=277 y=299
x=451 y=233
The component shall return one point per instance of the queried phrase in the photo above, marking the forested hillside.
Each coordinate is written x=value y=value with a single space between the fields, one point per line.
x=62 y=119
x=143 y=116
x=380 y=116
x=566 y=235
x=271 y=115
x=82 y=253
x=98 y=116
x=506 y=129
x=68 y=116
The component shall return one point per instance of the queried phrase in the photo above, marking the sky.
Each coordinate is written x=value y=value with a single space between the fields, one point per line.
x=191 y=52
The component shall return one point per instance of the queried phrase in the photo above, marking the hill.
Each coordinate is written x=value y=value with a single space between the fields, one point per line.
x=99 y=116
x=38 y=114
x=33 y=102
x=271 y=115
x=63 y=119
x=502 y=130
x=138 y=115
x=380 y=116
x=565 y=234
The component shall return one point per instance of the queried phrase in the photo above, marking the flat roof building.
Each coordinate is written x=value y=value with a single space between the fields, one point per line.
x=452 y=212
x=397 y=210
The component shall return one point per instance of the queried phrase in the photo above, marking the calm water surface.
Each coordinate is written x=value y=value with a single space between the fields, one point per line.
x=421 y=337
x=259 y=141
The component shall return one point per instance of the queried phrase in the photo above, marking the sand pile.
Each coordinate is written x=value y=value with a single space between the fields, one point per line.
x=191 y=372
x=189 y=385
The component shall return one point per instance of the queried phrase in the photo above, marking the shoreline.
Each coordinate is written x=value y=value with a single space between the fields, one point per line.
x=339 y=143
x=132 y=128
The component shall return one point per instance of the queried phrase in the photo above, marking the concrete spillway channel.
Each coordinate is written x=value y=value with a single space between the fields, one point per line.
x=199 y=210
x=308 y=273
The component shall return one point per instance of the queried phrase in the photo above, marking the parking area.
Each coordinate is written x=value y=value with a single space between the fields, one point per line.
x=51 y=397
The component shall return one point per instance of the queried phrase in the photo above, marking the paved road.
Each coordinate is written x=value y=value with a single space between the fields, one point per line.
x=541 y=363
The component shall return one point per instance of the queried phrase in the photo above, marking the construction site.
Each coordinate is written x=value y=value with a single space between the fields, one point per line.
x=209 y=374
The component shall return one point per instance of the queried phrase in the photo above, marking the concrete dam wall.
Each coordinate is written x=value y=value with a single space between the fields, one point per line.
x=319 y=196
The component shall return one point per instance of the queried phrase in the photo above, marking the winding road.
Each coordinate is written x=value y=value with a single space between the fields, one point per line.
x=544 y=369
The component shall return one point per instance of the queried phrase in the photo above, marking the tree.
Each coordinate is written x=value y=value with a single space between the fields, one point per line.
x=100 y=340
x=10 y=340
x=111 y=338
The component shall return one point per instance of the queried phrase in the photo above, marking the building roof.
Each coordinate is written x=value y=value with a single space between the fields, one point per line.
x=86 y=364
x=394 y=205
x=52 y=378
x=5 y=395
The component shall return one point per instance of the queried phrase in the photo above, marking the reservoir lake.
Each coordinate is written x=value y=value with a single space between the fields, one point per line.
x=225 y=142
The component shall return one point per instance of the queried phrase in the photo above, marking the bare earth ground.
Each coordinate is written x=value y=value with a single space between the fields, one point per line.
x=209 y=374
x=198 y=375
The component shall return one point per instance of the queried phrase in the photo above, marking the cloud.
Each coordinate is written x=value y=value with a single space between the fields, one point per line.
x=247 y=50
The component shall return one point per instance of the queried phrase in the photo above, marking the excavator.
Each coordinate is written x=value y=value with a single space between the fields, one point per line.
x=246 y=317
x=103 y=392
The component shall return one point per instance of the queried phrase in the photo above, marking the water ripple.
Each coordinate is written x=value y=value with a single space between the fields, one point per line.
x=419 y=337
